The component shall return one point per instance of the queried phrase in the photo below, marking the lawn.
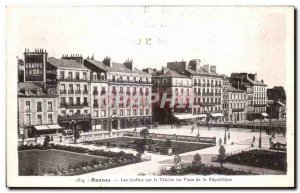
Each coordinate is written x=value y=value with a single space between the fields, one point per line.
x=260 y=158
x=31 y=160
x=178 y=147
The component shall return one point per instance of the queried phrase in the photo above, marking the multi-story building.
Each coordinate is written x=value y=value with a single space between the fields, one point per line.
x=234 y=104
x=120 y=95
x=174 y=94
x=256 y=93
x=207 y=88
x=72 y=83
x=37 y=110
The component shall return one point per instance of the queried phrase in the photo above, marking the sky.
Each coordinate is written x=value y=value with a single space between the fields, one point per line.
x=236 y=39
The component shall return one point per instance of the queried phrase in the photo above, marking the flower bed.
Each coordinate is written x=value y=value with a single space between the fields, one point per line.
x=100 y=160
x=260 y=158
x=201 y=169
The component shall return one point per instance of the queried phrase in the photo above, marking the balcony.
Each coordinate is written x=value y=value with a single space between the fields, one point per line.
x=218 y=94
x=85 y=92
x=114 y=92
x=63 y=92
x=128 y=92
x=70 y=79
x=95 y=105
x=95 y=92
x=63 y=118
x=259 y=105
x=238 y=110
x=71 y=91
x=103 y=92
x=78 y=91
x=73 y=105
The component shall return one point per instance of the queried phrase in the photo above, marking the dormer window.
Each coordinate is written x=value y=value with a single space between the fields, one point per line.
x=95 y=76
x=38 y=92
x=26 y=92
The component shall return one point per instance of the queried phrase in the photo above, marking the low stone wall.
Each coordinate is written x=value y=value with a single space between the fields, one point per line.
x=210 y=140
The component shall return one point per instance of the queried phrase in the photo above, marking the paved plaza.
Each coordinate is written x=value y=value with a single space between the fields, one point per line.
x=239 y=139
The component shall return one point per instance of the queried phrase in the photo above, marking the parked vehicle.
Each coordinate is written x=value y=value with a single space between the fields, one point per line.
x=67 y=132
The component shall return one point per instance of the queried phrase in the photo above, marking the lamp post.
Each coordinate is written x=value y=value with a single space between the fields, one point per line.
x=110 y=125
x=259 y=141
x=74 y=129
x=172 y=118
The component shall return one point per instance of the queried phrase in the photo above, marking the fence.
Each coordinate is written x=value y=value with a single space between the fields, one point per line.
x=215 y=158
x=210 y=140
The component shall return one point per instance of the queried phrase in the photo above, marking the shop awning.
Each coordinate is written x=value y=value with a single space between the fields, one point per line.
x=41 y=127
x=54 y=127
x=184 y=116
x=199 y=116
x=264 y=114
x=217 y=114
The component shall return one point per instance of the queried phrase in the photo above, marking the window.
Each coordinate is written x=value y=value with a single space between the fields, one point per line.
x=113 y=78
x=39 y=107
x=28 y=119
x=147 y=111
x=95 y=76
x=39 y=119
x=27 y=105
x=62 y=75
x=141 y=111
x=134 y=111
x=63 y=87
x=128 y=112
x=63 y=100
x=95 y=113
x=77 y=75
x=84 y=75
x=63 y=113
x=77 y=100
x=103 y=113
x=85 y=112
x=85 y=100
x=71 y=100
x=102 y=76
x=70 y=75
x=49 y=106
x=50 y=120
x=121 y=112
x=78 y=87
x=85 y=87
x=78 y=112
x=165 y=81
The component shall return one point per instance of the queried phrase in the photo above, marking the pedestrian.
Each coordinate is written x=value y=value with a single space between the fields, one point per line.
x=253 y=140
x=228 y=135
x=192 y=129
x=220 y=141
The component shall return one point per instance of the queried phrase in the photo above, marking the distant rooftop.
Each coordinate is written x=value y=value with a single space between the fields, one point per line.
x=65 y=63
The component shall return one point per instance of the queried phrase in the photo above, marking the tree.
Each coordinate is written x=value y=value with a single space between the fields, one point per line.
x=140 y=148
x=168 y=143
x=46 y=140
x=144 y=133
x=197 y=159
x=222 y=155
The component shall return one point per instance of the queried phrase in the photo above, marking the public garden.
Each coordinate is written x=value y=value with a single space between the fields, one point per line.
x=135 y=152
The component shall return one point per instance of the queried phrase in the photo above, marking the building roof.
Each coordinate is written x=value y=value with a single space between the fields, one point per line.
x=33 y=90
x=201 y=72
x=172 y=73
x=28 y=86
x=118 y=67
x=232 y=89
x=280 y=103
x=98 y=64
x=256 y=82
x=139 y=72
x=65 y=63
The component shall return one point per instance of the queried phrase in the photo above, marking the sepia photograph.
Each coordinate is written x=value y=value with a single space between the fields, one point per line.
x=150 y=96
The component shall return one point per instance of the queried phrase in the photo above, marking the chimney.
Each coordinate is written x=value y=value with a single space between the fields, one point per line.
x=213 y=69
x=253 y=76
x=128 y=64
x=206 y=67
x=195 y=64
x=107 y=61
x=179 y=67
x=77 y=57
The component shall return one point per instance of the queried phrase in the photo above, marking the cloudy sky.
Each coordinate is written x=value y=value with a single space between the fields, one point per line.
x=234 y=39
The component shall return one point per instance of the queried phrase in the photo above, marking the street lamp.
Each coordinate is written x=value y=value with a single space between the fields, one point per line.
x=172 y=118
x=110 y=125
x=259 y=142
x=74 y=129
